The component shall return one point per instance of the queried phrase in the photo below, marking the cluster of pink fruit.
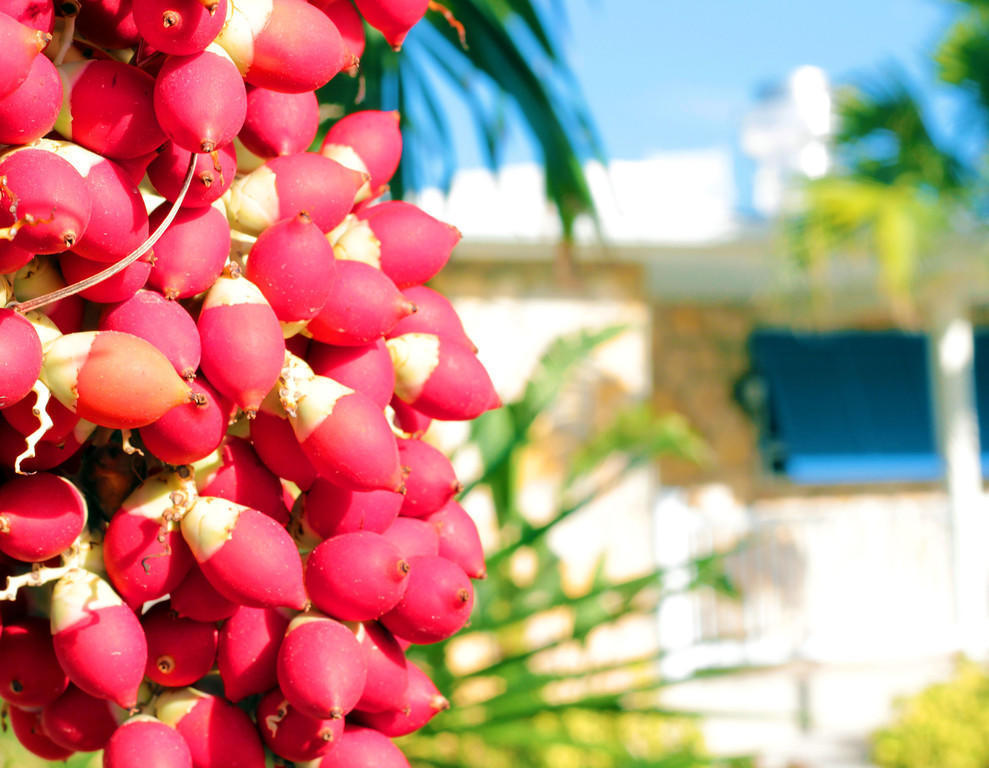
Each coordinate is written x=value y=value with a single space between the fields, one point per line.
x=279 y=532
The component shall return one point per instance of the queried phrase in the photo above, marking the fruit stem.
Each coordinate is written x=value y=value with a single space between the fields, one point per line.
x=72 y=559
x=68 y=32
x=40 y=411
x=125 y=262
x=451 y=20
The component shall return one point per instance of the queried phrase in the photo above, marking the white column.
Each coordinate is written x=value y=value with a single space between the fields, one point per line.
x=952 y=358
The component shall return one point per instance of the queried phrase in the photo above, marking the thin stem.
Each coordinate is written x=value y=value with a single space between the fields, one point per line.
x=99 y=277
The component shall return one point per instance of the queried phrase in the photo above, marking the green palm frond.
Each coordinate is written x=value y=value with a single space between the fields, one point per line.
x=512 y=65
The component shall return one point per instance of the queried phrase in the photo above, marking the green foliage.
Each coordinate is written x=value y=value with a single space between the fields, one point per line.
x=946 y=725
x=510 y=60
x=538 y=700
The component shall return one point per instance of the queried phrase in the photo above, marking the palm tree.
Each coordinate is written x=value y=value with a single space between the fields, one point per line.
x=508 y=62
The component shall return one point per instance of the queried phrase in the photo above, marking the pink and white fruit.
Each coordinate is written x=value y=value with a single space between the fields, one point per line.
x=436 y=604
x=279 y=123
x=78 y=721
x=356 y=576
x=275 y=443
x=421 y=703
x=367 y=369
x=248 y=651
x=212 y=176
x=200 y=100
x=364 y=746
x=40 y=276
x=98 y=640
x=40 y=516
x=331 y=510
x=107 y=108
x=180 y=27
x=387 y=669
x=112 y=379
x=291 y=734
x=408 y=419
x=180 y=651
x=146 y=742
x=166 y=324
x=20 y=357
x=431 y=481
x=346 y=437
x=30 y=733
x=284 y=45
x=239 y=476
x=292 y=264
x=366 y=141
x=363 y=305
x=283 y=186
x=30 y=675
x=195 y=598
x=242 y=343
x=440 y=378
x=392 y=18
x=46 y=198
x=191 y=254
x=321 y=667
x=248 y=557
x=145 y=554
x=459 y=539
x=191 y=431
x=434 y=314
x=218 y=733
x=29 y=111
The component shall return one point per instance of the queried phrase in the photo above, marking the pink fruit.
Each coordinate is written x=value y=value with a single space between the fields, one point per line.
x=413 y=537
x=166 y=324
x=436 y=604
x=180 y=651
x=28 y=112
x=46 y=198
x=21 y=45
x=292 y=735
x=180 y=27
x=413 y=246
x=248 y=557
x=112 y=379
x=145 y=556
x=191 y=431
x=363 y=305
x=30 y=675
x=283 y=186
x=119 y=222
x=434 y=314
x=146 y=742
x=40 y=516
x=440 y=378
x=356 y=576
x=30 y=733
x=431 y=481
x=285 y=45
x=392 y=18
x=275 y=443
x=22 y=417
x=242 y=342
x=119 y=287
x=20 y=357
x=331 y=510
x=321 y=667
x=367 y=369
x=47 y=455
x=212 y=177
x=279 y=123
x=459 y=539
x=408 y=419
x=348 y=22
x=248 y=650
x=98 y=640
x=422 y=702
x=195 y=598
x=292 y=264
x=200 y=100
x=190 y=256
x=374 y=137
x=108 y=23
x=37 y=14
x=346 y=437
x=108 y=108
x=12 y=258
x=242 y=478
x=364 y=746
x=387 y=669
x=78 y=721
x=42 y=276
x=219 y=735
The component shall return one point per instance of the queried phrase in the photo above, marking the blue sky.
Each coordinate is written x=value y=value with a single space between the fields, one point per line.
x=680 y=74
